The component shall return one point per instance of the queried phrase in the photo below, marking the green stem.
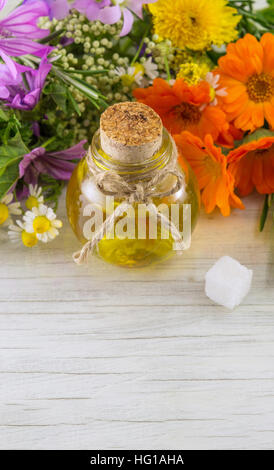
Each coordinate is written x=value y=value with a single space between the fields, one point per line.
x=140 y=47
x=51 y=36
x=167 y=68
x=48 y=142
x=254 y=17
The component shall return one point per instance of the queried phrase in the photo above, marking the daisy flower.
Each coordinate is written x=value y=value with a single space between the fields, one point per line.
x=17 y=233
x=131 y=75
x=210 y=166
x=8 y=208
x=252 y=164
x=195 y=24
x=215 y=90
x=247 y=73
x=151 y=69
x=35 y=197
x=135 y=73
x=42 y=221
x=181 y=107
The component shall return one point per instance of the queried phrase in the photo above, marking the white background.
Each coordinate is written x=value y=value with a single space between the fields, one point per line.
x=102 y=357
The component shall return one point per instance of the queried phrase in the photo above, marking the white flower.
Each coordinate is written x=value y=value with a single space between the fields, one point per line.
x=151 y=69
x=8 y=208
x=35 y=197
x=213 y=81
x=17 y=233
x=42 y=221
x=133 y=74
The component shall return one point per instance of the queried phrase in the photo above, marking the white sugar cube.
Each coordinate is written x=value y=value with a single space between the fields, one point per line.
x=228 y=282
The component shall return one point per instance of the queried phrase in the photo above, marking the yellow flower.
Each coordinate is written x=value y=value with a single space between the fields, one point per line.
x=192 y=73
x=17 y=233
x=8 y=208
x=42 y=221
x=195 y=24
x=35 y=197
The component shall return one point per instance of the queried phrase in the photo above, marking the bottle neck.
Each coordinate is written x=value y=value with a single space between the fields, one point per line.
x=132 y=170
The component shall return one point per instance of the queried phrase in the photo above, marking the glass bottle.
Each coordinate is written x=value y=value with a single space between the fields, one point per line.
x=83 y=192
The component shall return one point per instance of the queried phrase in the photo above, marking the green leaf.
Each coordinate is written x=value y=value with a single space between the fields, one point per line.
x=3 y=116
x=267 y=204
x=257 y=135
x=59 y=95
x=10 y=156
x=12 y=152
x=8 y=179
x=267 y=14
x=73 y=103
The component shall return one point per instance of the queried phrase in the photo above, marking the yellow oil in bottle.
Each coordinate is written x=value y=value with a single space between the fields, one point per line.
x=129 y=252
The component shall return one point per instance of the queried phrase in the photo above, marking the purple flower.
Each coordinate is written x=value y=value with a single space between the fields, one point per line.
x=56 y=164
x=10 y=79
x=16 y=28
x=110 y=12
x=90 y=8
x=13 y=89
x=22 y=22
x=58 y=9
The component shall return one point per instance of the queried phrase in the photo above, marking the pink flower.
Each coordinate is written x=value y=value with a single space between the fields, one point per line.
x=56 y=164
x=58 y=9
x=110 y=12
x=17 y=26
x=90 y=8
x=15 y=93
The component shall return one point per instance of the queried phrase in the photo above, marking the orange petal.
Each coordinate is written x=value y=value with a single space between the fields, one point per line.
x=269 y=114
x=267 y=42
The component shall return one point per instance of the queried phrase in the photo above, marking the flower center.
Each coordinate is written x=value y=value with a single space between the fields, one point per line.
x=4 y=213
x=260 y=87
x=189 y=113
x=127 y=80
x=212 y=93
x=41 y=224
x=31 y=202
x=29 y=239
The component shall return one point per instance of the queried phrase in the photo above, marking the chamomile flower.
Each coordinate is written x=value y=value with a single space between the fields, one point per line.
x=42 y=221
x=215 y=91
x=35 y=197
x=151 y=69
x=8 y=208
x=131 y=75
x=17 y=233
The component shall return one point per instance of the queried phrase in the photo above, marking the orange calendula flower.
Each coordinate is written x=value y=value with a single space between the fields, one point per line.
x=247 y=73
x=252 y=165
x=184 y=107
x=210 y=167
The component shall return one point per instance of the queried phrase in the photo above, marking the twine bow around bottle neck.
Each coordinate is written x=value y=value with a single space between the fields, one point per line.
x=111 y=183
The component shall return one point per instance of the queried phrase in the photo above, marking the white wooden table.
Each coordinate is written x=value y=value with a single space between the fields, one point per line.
x=102 y=357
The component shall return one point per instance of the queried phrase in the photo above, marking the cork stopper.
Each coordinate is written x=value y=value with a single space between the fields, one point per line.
x=130 y=132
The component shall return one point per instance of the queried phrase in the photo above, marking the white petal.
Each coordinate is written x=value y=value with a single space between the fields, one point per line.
x=14 y=228
x=138 y=78
x=50 y=214
x=57 y=223
x=53 y=232
x=20 y=224
x=120 y=71
x=42 y=209
x=221 y=92
x=7 y=199
x=29 y=228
